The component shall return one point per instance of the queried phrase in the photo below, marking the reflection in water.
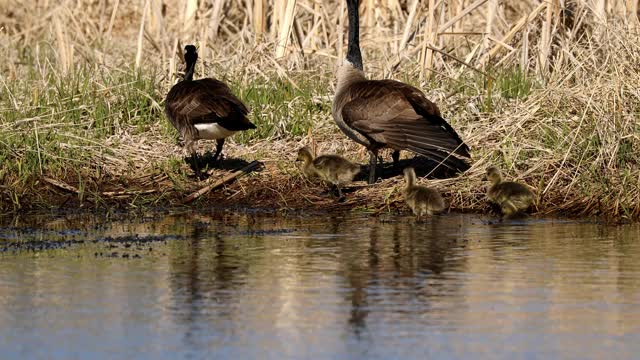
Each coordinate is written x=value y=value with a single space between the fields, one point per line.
x=248 y=285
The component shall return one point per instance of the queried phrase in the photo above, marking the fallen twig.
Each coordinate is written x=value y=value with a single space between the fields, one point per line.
x=60 y=184
x=127 y=193
x=67 y=187
x=226 y=179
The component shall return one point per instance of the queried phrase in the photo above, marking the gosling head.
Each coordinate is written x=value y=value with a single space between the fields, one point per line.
x=304 y=154
x=494 y=175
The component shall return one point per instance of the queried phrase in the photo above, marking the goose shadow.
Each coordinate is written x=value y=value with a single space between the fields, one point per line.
x=422 y=165
x=207 y=161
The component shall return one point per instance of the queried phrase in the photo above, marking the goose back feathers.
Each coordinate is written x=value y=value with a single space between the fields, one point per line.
x=191 y=105
x=388 y=113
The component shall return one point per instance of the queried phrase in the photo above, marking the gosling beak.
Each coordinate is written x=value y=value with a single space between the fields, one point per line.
x=484 y=178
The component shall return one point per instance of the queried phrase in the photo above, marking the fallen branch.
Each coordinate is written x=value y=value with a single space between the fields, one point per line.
x=227 y=179
x=127 y=193
x=60 y=184
x=67 y=187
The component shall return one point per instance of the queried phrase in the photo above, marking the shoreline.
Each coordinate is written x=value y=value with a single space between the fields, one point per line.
x=275 y=186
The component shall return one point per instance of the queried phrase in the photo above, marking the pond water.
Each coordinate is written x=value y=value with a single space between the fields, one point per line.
x=255 y=285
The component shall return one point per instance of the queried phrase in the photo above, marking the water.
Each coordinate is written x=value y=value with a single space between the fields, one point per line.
x=251 y=285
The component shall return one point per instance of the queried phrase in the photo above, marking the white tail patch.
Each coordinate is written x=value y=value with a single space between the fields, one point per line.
x=212 y=131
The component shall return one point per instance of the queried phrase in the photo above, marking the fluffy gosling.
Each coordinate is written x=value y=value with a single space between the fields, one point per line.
x=512 y=197
x=422 y=200
x=332 y=169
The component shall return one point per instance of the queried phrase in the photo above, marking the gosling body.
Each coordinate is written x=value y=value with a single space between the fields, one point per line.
x=423 y=201
x=333 y=169
x=512 y=197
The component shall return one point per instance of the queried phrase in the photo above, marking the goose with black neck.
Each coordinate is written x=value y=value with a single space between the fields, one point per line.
x=381 y=114
x=204 y=109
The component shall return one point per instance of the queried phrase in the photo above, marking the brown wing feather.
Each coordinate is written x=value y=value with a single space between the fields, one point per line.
x=205 y=101
x=398 y=115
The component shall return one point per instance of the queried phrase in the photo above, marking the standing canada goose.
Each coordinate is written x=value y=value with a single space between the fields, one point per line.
x=389 y=114
x=512 y=197
x=421 y=199
x=204 y=109
x=333 y=169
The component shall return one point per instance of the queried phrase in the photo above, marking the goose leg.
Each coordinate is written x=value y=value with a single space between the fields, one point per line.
x=196 y=165
x=508 y=209
x=396 y=157
x=219 y=144
x=195 y=159
x=373 y=161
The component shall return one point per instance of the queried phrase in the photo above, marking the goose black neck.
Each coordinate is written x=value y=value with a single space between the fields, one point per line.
x=191 y=66
x=353 y=52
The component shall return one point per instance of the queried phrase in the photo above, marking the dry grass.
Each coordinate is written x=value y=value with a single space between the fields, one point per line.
x=546 y=90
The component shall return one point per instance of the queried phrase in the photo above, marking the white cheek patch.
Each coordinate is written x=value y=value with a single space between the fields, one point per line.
x=212 y=131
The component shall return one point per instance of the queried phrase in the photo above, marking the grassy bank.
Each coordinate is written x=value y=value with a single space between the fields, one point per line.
x=97 y=124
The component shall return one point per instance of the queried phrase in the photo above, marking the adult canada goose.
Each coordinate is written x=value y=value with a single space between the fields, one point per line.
x=421 y=199
x=389 y=113
x=333 y=169
x=512 y=197
x=204 y=109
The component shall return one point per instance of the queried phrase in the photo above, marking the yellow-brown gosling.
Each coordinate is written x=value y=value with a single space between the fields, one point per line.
x=332 y=169
x=512 y=197
x=421 y=199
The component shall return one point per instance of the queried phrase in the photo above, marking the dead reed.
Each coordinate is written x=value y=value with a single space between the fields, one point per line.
x=547 y=90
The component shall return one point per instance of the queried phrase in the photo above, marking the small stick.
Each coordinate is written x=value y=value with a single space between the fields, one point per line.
x=259 y=18
x=35 y=123
x=227 y=179
x=113 y=18
x=545 y=40
x=214 y=23
x=491 y=14
x=286 y=24
x=407 y=27
x=141 y=35
x=340 y=32
x=462 y=62
x=426 y=56
x=462 y=14
x=73 y=189
x=514 y=30
x=127 y=193
x=60 y=184
x=442 y=28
